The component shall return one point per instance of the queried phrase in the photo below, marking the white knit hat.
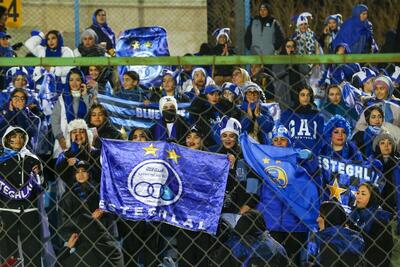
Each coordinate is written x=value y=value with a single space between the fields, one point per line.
x=230 y=125
x=78 y=124
x=168 y=99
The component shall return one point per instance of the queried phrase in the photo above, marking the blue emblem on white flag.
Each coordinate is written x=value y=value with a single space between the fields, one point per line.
x=160 y=181
x=143 y=42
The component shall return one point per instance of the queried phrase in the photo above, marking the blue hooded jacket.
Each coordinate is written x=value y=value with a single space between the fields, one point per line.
x=356 y=33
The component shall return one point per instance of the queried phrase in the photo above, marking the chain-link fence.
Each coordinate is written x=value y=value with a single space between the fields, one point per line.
x=194 y=161
x=184 y=21
x=303 y=175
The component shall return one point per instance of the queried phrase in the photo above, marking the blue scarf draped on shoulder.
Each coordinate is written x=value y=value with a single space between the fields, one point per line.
x=104 y=28
x=6 y=154
x=68 y=103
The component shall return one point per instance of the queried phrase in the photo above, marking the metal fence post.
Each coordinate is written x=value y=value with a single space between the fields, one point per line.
x=76 y=22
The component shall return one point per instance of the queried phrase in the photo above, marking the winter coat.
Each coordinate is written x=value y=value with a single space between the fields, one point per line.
x=34 y=46
x=258 y=251
x=374 y=224
x=96 y=242
x=264 y=36
x=16 y=171
x=340 y=247
x=106 y=130
x=179 y=130
x=90 y=155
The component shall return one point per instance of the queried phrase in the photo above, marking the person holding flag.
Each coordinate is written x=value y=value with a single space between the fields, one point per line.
x=289 y=198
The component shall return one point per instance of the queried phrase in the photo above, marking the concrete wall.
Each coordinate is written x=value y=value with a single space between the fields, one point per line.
x=184 y=20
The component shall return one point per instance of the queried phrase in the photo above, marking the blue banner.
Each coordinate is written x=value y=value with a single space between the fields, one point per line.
x=143 y=42
x=291 y=183
x=132 y=114
x=159 y=181
x=341 y=179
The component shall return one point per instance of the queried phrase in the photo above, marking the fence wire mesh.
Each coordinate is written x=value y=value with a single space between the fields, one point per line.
x=283 y=164
x=338 y=132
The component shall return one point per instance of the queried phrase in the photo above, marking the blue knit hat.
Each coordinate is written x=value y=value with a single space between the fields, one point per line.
x=301 y=18
x=336 y=17
x=231 y=87
x=281 y=131
x=336 y=121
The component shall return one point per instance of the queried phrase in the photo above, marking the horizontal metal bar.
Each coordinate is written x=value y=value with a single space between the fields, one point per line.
x=202 y=60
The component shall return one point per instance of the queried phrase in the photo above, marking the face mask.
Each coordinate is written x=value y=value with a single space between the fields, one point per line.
x=169 y=115
x=374 y=129
x=76 y=93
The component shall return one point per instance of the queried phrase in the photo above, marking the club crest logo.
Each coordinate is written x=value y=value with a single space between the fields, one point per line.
x=146 y=73
x=277 y=175
x=155 y=183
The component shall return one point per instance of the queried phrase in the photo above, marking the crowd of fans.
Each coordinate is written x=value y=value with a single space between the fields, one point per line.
x=52 y=126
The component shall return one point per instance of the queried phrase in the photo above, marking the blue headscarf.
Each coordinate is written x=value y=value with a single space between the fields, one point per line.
x=68 y=103
x=104 y=27
x=354 y=32
x=57 y=52
x=349 y=150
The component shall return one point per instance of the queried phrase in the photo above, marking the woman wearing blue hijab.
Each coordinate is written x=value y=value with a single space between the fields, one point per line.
x=357 y=32
x=103 y=31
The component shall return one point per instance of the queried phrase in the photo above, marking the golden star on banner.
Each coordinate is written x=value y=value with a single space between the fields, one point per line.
x=135 y=45
x=278 y=161
x=172 y=155
x=266 y=160
x=151 y=150
x=148 y=44
x=336 y=191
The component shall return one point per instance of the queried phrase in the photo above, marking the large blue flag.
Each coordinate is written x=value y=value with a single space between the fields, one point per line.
x=143 y=42
x=160 y=181
x=291 y=183
x=132 y=114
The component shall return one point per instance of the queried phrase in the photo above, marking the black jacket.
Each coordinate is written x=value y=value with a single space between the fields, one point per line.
x=15 y=171
x=66 y=172
x=96 y=242
x=107 y=130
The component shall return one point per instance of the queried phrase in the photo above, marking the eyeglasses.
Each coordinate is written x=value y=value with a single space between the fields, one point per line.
x=251 y=93
x=21 y=98
x=289 y=46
